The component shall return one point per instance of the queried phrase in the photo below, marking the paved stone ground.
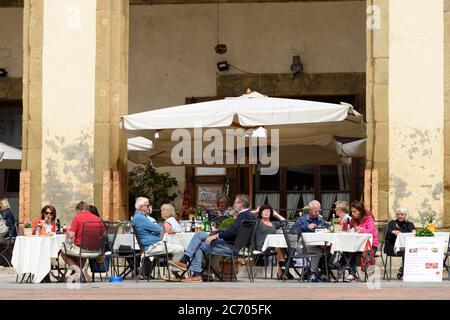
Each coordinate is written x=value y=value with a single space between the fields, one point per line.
x=259 y=290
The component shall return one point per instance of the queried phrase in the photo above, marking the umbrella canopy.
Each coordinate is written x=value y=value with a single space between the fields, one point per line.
x=10 y=157
x=319 y=150
x=293 y=117
x=305 y=130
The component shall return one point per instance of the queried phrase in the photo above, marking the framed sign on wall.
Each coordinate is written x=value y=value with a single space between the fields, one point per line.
x=207 y=195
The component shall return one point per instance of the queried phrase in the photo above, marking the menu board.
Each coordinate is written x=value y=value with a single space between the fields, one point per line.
x=424 y=258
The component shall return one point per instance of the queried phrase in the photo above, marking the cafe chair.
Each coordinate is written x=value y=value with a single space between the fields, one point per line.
x=387 y=256
x=446 y=263
x=102 y=265
x=298 y=250
x=92 y=244
x=241 y=249
x=155 y=260
x=268 y=254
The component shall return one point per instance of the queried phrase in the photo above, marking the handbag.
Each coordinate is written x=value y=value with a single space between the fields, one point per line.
x=367 y=257
x=3 y=227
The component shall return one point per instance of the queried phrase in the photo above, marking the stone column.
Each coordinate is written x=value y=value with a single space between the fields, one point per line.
x=111 y=97
x=447 y=112
x=75 y=88
x=377 y=90
x=406 y=113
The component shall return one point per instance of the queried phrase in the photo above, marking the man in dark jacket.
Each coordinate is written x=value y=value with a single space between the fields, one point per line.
x=223 y=241
x=309 y=223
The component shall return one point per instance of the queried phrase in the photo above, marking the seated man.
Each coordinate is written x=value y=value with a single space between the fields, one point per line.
x=149 y=232
x=223 y=241
x=72 y=252
x=309 y=223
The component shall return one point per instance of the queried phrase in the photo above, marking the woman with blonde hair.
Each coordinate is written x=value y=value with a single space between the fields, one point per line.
x=8 y=217
x=170 y=224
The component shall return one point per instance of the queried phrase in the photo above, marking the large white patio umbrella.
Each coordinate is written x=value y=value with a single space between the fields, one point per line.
x=10 y=157
x=294 y=118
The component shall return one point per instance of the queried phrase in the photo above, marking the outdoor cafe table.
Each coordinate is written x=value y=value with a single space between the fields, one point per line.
x=33 y=254
x=400 y=242
x=339 y=241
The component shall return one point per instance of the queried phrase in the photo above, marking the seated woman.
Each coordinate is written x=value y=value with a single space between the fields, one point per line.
x=47 y=221
x=395 y=227
x=265 y=227
x=362 y=221
x=8 y=217
x=222 y=210
x=170 y=224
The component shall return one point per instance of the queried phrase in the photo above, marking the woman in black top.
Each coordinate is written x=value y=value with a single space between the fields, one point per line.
x=266 y=226
x=395 y=227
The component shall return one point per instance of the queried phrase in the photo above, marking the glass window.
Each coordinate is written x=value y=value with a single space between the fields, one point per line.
x=334 y=177
x=300 y=178
x=12 y=180
x=267 y=182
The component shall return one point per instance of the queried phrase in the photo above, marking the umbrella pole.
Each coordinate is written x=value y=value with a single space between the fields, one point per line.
x=250 y=185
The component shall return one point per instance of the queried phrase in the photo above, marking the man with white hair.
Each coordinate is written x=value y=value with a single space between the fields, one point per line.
x=149 y=232
x=309 y=223
x=394 y=227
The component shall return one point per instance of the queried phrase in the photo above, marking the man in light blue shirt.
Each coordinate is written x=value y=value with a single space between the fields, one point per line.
x=149 y=232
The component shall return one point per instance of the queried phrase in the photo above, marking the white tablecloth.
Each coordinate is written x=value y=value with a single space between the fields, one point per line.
x=400 y=242
x=33 y=254
x=339 y=241
x=181 y=239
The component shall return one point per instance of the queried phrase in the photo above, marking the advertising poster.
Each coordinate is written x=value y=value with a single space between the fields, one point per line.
x=424 y=259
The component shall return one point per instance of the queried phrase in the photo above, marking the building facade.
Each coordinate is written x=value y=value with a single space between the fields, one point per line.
x=137 y=57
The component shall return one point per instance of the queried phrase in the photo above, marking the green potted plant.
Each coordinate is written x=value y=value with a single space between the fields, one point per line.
x=424 y=232
x=225 y=223
x=145 y=181
x=27 y=230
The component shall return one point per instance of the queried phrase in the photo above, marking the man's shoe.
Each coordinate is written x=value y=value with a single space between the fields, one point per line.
x=177 y=264
x=173 y=278
x=197 y=279
x=313 y=278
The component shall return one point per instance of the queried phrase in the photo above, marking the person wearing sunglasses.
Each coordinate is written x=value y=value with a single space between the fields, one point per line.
x=47 y=220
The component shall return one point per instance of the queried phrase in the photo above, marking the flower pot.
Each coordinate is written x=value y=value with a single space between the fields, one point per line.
x=27 y=232
x=225 y=267
x=431 y=227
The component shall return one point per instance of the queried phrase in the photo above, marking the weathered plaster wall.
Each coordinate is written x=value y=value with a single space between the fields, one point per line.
x=68 y=98
x=416 y=107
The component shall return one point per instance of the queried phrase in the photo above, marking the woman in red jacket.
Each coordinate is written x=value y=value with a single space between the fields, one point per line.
x=47 y=220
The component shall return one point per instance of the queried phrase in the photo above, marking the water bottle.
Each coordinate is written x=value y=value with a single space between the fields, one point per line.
x=332 y=223
x=206 y=225
x=58 y=226
x=199 y=214
x=37 y=230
